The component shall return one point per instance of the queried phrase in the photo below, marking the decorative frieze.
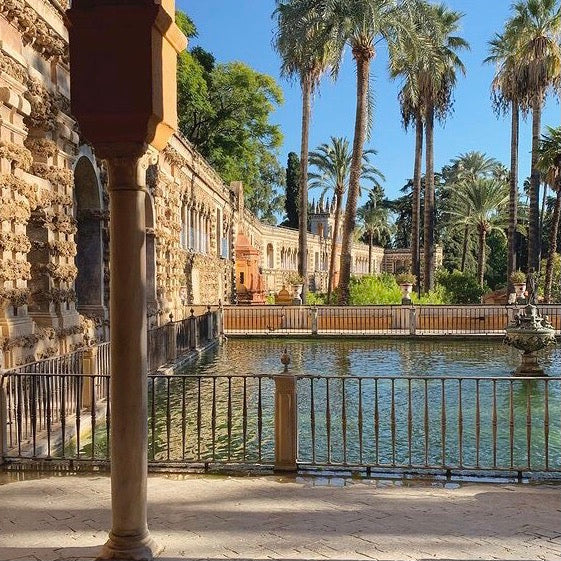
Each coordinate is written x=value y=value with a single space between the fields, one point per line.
x=15 y=270
x=33 y=29
x=14 y=296
x=10 y=241
x=13 y=68
x=19 y=155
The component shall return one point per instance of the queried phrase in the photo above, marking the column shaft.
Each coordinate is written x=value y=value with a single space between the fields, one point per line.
x=129 y=537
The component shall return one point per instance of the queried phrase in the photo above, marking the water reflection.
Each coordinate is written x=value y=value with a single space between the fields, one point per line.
x=395 y=357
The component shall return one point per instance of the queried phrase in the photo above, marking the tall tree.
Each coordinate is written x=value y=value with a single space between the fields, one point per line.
x=360 y=24
x=465 y=170
x=306 y=54
x=549 y=163
x=375 y=226
x=409 y=62
x=332 y=164
x=536 y=24
x=436 y=88
x=224 y=111
x=292 y=190
x=481 y=204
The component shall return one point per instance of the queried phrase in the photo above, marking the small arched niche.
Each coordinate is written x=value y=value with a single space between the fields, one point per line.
x=89 y=240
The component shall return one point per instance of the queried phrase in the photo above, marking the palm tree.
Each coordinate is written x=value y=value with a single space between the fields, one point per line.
x=549 y=163
x=374 y=224
x=305 y=54
x=408 y=62
x=481 y=205
x=435 y=89
x=333 y=162
x=466 y=169
x=536 y=24
x=507 y=93
x=360 y=24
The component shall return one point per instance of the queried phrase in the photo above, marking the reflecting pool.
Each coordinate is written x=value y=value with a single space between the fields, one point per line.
x=374 y=357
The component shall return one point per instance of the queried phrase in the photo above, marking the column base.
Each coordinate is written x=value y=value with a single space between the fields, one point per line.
x=129 y=548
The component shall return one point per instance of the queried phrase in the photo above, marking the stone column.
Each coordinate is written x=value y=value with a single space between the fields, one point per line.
x=129 y=537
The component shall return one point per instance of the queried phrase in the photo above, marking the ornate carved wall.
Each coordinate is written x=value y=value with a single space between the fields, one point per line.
x=54 y=235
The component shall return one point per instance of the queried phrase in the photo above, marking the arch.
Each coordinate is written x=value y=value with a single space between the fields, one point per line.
x=89 y=240
x=270 y=256
x=151 y=300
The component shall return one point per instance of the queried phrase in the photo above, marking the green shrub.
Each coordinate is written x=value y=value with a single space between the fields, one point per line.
x=437 y=296
x=380 y=289
x=461 y=288
x=405 y=278
x=316 y=299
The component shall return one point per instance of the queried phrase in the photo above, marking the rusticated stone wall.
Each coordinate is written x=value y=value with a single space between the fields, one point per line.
x=54 y=219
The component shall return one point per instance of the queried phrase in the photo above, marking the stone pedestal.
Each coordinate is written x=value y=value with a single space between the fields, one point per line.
x=285 y=422
x=529 y=366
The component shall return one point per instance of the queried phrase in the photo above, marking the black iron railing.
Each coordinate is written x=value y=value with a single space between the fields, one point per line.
x=391 y=423
x=168 y=342
x=420 y=423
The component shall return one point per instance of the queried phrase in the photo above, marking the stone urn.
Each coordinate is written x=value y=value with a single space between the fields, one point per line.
x=520 y=290
x=297 y=292
x=406 y=291
x=529 y=332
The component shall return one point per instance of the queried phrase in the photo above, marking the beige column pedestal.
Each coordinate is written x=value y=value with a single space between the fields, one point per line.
x=286 y=424
x=129 y=538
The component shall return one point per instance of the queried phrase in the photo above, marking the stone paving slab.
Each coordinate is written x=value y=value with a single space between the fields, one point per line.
x=249 y=518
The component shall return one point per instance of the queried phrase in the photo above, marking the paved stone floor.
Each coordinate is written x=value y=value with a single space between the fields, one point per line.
x=205 y=517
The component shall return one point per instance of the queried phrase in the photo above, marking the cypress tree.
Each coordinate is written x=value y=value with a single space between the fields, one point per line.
x=292 y=190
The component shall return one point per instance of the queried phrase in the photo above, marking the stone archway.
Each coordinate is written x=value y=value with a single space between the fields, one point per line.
x=151 y=294
x=89 y=239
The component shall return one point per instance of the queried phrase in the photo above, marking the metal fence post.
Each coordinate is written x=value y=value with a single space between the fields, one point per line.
x=412 y=320
x=314 y=320
x=285 y=422
x=172 y=340
x=220 y=320
x=209 y=326
x=89 y=369
x=193 y=331
x=3 y=421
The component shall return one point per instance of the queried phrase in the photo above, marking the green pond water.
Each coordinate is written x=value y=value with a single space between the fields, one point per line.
x=222 y=411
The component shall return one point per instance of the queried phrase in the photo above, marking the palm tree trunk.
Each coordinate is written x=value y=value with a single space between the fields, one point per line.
x=370 y=252
x=331 y=279
x=534 y=214
x=552 y=246
x=513 y=196
x=428 y=245
x=361 y=119
x=416 y=210
x=465 y=247
x=481 y=256
x=542 y=218
x=303 y=215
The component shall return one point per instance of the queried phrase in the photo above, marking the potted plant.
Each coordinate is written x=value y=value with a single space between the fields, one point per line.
x=406 y=281
x=518 y=279
x=297 y=282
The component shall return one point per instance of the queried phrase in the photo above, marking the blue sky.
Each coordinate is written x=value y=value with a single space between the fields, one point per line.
x=243 y=29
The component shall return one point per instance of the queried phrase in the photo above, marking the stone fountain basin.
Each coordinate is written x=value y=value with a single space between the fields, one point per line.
x=529 y=340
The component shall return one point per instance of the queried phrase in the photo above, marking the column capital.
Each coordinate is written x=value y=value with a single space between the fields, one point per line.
x=127 y=172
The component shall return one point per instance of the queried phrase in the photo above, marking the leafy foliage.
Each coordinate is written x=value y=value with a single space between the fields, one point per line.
x=224 y=110
x=379 y=289
x=461 y=288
